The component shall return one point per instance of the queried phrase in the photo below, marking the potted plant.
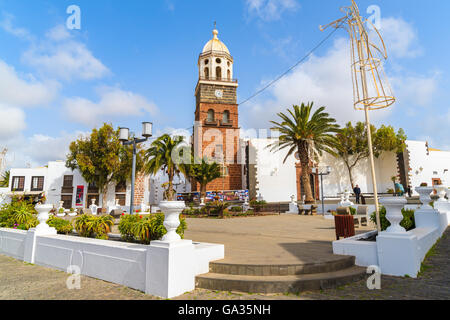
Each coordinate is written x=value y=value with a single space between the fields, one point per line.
x=61 y=212
x=160 y=157
x=43 y=209
x=72 y=212
x=424 y=194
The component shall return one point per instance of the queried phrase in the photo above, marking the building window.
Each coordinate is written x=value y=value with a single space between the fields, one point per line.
x=67 y=199
x=229 y=74
x=218 y=61
x=206 y=62
x=37 y=183
x=18 y=184
x=219 y=73
x=121 y=187
x=206 y=73
x=226 y=117
x=122 y=199
x=211 y=115
x=68 y=181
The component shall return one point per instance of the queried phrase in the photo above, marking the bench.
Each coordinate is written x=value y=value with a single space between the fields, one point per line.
x=307 y=209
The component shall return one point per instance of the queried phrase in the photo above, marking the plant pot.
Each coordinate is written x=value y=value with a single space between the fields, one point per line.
x=441 y=191
x=43 y=211
x=425 y=197
x=172 y=211
x=394 y=214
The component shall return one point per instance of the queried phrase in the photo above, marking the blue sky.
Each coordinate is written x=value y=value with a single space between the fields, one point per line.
x=137 y=60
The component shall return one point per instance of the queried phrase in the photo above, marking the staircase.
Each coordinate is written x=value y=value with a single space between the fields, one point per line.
x=280 y=278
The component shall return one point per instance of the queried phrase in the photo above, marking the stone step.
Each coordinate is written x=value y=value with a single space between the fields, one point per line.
x=281 y=270
x=279 y=284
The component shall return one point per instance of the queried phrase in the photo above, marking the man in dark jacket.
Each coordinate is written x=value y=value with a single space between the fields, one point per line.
x=357 y=192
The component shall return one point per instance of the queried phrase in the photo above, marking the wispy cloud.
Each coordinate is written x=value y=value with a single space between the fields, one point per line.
x=60 y=56
x=113 y=103
x=270 y=10
x=7 y=25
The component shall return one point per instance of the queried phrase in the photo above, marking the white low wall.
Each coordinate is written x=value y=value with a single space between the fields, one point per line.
x=364 y=251
x=12 y=243
x=397 y=254
x=117 y=262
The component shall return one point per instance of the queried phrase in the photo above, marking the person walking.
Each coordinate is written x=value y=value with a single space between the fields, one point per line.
x=357 y=192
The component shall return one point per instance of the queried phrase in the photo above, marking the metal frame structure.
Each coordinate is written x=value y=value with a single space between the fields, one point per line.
x=371 y=90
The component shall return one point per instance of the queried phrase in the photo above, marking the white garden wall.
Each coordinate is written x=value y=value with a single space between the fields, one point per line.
x=122 y=263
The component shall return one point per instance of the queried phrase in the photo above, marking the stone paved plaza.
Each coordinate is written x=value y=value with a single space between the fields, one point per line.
x=266 y=239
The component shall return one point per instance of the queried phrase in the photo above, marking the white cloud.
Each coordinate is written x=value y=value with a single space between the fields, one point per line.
x=270 y=10
x=24 y=91
x=113 y=103
x=12 y=121
x=65 y=59
x=415 y=90
x=58 y=33
x=38 y=149
x=400 y=38
x=7 y=25
x=325 y=80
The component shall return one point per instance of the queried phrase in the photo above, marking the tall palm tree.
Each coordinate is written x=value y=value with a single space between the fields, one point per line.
x=202 y=172
x=4 y=179
x=160 y=156
x=309 y=135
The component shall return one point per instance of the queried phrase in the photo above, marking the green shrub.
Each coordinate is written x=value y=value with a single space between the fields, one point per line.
x=236 y=209
x=19 y=214
x=408 y=221
x=90 y=226
x=126 y=226
x=62 y=226
x=146 y=229
x=352 y=211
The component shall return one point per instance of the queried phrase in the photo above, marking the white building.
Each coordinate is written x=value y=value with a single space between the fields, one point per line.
x=62 y=184
x=267 y=176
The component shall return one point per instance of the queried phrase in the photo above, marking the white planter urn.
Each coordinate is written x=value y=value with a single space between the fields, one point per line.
x=172 y=211
x=202 y=203
x=345 y=200
x=441 y=191
x=73 y=214
x=43 y=215
x=448 y=194
x=93 y=208
x=425 y=197
x=394 y=214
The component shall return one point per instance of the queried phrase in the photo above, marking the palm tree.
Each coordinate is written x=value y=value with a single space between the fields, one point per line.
x=4 y=179
x=307 y=134
x=203 y=173
x=160 y=156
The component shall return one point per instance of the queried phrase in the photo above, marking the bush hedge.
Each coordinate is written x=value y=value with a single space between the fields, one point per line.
x=146 y=229
x=408 y=221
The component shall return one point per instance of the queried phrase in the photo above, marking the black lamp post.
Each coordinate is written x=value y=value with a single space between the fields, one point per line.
x=321 y=174
x=124 y=137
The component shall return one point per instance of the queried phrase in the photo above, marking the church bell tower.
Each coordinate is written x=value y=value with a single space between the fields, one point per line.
x=216 y=133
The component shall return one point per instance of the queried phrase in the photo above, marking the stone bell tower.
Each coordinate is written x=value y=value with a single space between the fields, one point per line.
x=216 y=133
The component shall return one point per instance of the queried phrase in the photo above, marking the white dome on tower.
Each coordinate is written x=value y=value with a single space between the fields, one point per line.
x=215 y=62
x=215 y=44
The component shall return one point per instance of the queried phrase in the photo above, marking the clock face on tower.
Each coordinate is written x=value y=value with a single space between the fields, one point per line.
x=219 y=94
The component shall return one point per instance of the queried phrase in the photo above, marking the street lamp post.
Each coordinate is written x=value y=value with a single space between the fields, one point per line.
x=124 y=137
x=321 y=174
